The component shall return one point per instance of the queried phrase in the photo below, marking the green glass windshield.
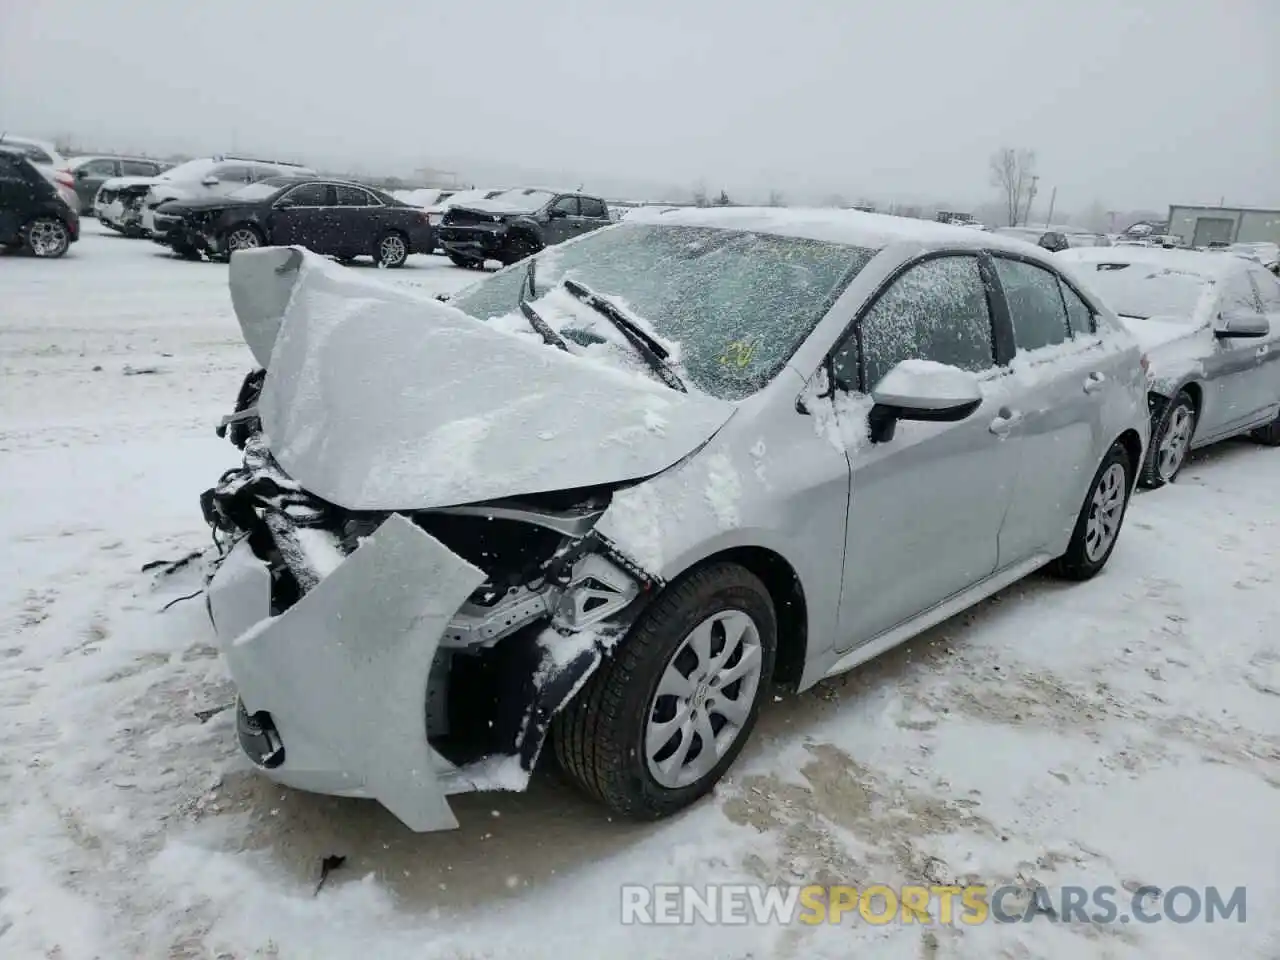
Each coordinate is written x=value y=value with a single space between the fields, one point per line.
x=737 y=303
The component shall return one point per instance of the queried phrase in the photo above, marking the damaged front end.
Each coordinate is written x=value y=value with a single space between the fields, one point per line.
x=405 y=656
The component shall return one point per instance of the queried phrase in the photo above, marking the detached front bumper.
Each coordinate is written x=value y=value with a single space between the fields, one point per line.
x=333 y=689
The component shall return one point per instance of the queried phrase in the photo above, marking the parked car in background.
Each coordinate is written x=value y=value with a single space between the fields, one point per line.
x=89 y=173
x=706 y=451
x=1210 y=325
x=128 y=204
x=1264 y=252
x=46 y=158
x=33 y=214
x=1083 y=238
x=516 y=223
x=1051 y=240
x=338 y=218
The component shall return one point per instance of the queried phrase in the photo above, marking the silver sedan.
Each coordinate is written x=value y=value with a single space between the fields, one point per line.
x=1210 y=324
x=608 y=496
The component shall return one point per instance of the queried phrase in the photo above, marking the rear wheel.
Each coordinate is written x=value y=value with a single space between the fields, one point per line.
x=1268 y=436
x=1170 y=441
x=391 y=250
x=661 y=720
x=1098 y=525
x=466 y=263
x=47 y=237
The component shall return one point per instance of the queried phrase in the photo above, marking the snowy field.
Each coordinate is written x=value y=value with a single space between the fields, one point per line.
x=1120 y=732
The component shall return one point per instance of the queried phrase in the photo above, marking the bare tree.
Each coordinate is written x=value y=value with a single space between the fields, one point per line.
x=700 y=194
x=1014 y=173
x=775 y=199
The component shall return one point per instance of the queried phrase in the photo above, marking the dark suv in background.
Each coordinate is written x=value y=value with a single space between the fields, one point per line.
x=32 y=214
x=517 y=223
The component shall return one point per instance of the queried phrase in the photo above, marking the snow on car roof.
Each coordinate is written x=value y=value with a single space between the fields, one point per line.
x=1211 y=266
x=868 y=230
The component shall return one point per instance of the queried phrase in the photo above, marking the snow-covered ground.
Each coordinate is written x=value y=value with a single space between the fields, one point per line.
x=1119 y=732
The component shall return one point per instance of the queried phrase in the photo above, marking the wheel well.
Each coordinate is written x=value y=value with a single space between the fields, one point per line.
x=789 y=605
x=522 y=233
x=1133 y=447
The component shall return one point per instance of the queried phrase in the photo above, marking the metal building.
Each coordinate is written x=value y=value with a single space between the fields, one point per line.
x=1205 y=226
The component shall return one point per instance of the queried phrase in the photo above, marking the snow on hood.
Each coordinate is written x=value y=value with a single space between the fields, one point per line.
x=379 y=399
x=1154 y=332
x=119 y=183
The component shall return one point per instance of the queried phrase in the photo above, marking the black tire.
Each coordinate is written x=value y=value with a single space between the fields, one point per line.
x=186 y=251
x=1153 y=476
x=1076 y=563
x=1268 y=436
x=391 y=250
x=599 y=737
x=519 y=248
x=247 y=228
x=466 y=263
x=46 y=237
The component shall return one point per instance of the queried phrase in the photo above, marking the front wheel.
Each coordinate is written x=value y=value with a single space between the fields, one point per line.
x=47 y=238
x=661 y=720
x=1170 y=441
x=391 y=250
x=1098 y=525
x=243 y=237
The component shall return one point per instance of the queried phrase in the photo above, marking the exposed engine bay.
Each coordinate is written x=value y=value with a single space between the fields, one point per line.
x=555 y=596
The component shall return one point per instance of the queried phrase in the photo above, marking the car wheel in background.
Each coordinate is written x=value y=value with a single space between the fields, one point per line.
x=666 y=714
x=391 y=250
x=519 y=248
x=47 y=237
x=1269 y=435
x=242 y=237
x=1170 y=441
x=1098 y=524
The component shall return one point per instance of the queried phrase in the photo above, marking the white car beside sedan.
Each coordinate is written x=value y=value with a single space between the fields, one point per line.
x=1210 y=325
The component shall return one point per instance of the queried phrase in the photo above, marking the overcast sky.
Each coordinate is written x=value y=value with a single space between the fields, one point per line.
x=1131 y=103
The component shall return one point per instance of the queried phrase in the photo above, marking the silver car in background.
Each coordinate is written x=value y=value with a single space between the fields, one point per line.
x=1210 y=325
x=609 y=495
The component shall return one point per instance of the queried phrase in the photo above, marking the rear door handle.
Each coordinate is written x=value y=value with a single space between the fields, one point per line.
x=1005 y=421
x=1263 y=350
x=1094 y=382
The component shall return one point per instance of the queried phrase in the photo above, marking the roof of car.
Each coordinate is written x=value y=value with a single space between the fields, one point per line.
x=1212 y=266
x=853 y=227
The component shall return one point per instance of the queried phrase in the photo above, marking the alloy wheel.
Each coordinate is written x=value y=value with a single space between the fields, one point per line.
x=392 y=250
x=1106 y=510
x=242 y=238
x=47 y=238
x=703 y=699
x=1175 y=443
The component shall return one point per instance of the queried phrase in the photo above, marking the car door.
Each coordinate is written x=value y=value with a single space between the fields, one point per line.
x=593 y=213
x=90 y=176
x=1234 y=369
x=357 y=220
x=1061 y=374
x=564 y=220
x=1267 y=286
x=303 y=217
x=17 y=197
x=925 y=507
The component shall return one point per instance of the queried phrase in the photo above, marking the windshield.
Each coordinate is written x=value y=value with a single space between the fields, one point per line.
x=1145 y=290
x=511 y=201
x=733 y=305
x=191 y=170
x=260 y=190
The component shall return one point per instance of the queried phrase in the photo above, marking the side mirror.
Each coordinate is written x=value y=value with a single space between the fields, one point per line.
x=210 y=180
x=82 y=174
x=922 y=390
x=1241 y=323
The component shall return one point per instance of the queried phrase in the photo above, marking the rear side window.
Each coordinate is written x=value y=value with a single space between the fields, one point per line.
x=138 y=168
x=592 y=207
x=1268 y=288
x=1079 y=316
x=1237 y=294
x=1035 y=301
x=936 y=310
x=355 y=197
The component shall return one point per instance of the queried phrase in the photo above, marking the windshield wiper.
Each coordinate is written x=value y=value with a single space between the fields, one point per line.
x=654 y=353
x=541 y=326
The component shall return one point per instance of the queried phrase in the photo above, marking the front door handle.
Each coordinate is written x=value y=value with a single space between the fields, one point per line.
x=1094 y=382
x=1005 y=421
x=1263 y=350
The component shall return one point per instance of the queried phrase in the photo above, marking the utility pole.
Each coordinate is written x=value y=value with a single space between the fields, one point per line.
x=1031 y=198
x=1053 y=199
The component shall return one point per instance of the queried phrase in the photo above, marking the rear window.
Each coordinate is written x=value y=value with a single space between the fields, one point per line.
x=29 y=150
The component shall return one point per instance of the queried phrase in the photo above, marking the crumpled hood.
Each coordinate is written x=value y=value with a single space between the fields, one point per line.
x=120 y=183
x=379 y=399
x=1154 y=332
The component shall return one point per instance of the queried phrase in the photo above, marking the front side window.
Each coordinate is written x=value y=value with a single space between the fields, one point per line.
x=138 y=168
x=307 y=195
x=734 y=303
x=99 y=168
x=937 y=310
x=567 y=205
x=1079 y=315
x=1036 y=307
x=1268 y=288
x=1237 y=294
